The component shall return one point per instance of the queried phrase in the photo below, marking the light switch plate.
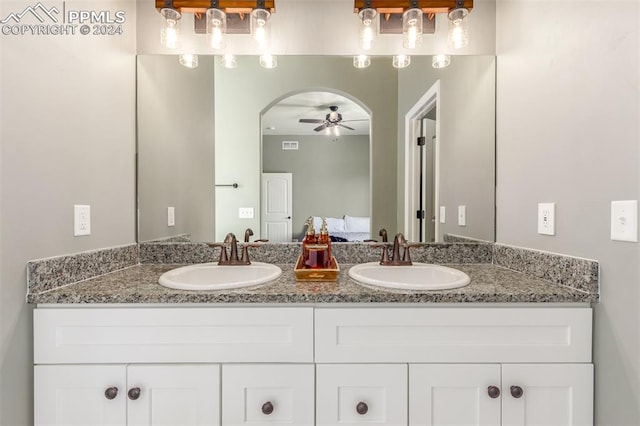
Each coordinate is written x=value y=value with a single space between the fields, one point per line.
x=245 y=213
x=547 y=218
x=171 y=216
x=624 y=221
x=462 y=215
x=81 y=220
x=443 y=214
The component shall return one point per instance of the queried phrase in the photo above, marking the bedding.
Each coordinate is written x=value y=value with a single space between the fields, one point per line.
x=350 y=228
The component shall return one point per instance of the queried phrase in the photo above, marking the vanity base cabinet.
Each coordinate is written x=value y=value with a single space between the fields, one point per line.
x=353 y=394
x=508 y=394
x=87 y=395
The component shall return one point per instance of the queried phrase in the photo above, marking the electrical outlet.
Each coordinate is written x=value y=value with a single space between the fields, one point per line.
x=547 y=218
x=624 y=221
x=81 y=220
x=171 y=216
x=462 y=215
x=245 y=213
x=443 y=212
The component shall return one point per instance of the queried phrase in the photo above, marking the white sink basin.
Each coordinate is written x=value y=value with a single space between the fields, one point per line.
x=419 y=276
x=211 y=276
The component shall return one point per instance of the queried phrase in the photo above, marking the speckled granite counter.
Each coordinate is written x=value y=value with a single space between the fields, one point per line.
x=139 y=284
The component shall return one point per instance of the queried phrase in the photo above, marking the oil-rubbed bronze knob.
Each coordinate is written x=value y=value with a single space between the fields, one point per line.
x=111 y=393
x=493 y=391
x=516 y=391
x=134 y=393
x=362 y=408
x=267 y=408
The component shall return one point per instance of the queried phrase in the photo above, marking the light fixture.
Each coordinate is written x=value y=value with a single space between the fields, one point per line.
x=260 y=28
x=170 y=30
x=189 y=60
x=268 y=61
x=401 y=61
x=368 y=30
x=412 y=28
x=440 y=61
x=458 y=36
x=228 y=61
x=361 y=61
x=216 y=26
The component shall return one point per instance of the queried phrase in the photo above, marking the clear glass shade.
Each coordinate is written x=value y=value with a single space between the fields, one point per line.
x=229 y=61
x=401 y=61
x=170 y=30
x=368 y=28
x=412 y=28
x=440 y=61
x=268 y=61
x=216 y=28
x=458 y=36
x=260 y=27
x=189 y=60
x=361 y=61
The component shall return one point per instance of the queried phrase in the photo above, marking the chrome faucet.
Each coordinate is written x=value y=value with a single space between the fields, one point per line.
x=232 y=258
x=396 y=259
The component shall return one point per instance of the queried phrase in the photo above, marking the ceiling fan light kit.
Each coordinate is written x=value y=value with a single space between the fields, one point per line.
x=332 y=121
x=225 y=17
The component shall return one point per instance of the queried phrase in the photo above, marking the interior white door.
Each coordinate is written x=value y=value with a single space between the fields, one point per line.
x=277 y=207
x=80 y=395
x=454 y=394
x=173 y=395
x=547 y=394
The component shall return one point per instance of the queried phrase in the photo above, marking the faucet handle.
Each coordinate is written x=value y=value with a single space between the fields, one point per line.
x=245 y=253
x=406 y=256
x=384 y=259
x=223 y=251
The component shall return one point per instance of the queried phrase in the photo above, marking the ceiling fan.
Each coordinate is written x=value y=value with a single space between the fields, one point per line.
x=334 y=118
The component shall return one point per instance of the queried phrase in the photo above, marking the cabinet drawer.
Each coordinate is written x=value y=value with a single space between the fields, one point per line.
x=453 y=335
x=124 y=335
x=361 y=394
x=268 y=394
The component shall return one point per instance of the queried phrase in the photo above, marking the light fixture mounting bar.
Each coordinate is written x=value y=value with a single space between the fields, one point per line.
x=229 y=6
x=399 y=6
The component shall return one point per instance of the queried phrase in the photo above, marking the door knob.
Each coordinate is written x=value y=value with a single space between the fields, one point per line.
x=288 y=217
x=516 y=391
x=134 y=393
x=362 y=408
x=493 y=391
x=111 y=393
x=267 y=408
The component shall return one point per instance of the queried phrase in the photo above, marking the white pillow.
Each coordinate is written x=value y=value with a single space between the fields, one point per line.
x=357 y=223
x=334 y=224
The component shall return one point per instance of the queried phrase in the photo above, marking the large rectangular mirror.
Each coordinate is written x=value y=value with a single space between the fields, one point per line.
x=209 y=139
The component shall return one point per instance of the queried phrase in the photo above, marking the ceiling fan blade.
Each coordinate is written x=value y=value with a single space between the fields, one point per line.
x=311 y=120
x=346 y=127
x=324 y=126
x=360 y=119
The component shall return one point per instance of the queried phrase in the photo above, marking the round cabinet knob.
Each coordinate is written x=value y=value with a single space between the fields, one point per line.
x=111 y=393
x=267 y=408
x=493 y=391
x=134 y=393
x=362 y=408
x=516 y=391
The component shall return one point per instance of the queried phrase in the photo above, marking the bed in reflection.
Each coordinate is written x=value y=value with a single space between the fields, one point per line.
x=346 y=228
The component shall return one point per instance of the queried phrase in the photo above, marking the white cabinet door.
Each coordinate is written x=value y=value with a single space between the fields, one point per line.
x=454 y=394
x=547 y=395
x=351 y=394
x=80 y=395
x=173 y=395
x=267 y=394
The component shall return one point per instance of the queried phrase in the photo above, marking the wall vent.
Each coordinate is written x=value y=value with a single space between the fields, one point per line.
x=289 y=145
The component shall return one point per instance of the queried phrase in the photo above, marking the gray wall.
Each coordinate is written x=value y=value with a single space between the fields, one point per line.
x=467 y=138
x=322 y=170
x=67 y=134
x=568 y=132
x=175 y=148
x=242 y=94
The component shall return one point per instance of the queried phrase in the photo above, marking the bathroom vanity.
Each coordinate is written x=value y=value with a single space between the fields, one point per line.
x=119 y=349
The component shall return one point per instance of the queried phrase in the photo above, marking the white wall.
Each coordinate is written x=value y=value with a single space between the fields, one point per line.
x=67 y=134
x=568 y=114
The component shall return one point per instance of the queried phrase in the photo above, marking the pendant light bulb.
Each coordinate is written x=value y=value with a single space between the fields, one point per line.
x=260 y=28
x=458 y=36
x=412 y=28
x=170 y=30
x=368 y=30
x=216 y=28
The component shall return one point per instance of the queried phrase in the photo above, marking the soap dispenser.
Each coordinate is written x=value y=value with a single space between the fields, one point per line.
x=324 y=241
x=309 y=240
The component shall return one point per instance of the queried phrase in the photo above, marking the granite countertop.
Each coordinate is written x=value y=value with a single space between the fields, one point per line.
x=139 y=284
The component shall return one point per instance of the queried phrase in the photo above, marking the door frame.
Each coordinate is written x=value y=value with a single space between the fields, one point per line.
x=429 y=100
